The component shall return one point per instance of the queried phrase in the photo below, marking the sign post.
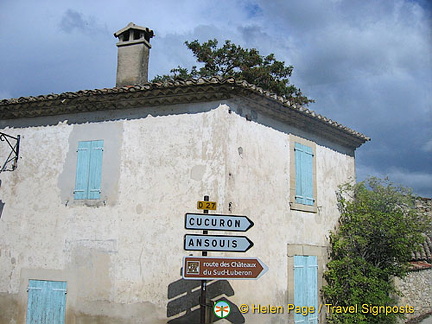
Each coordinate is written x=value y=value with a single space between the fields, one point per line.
x=208 y=268
x=203 y=301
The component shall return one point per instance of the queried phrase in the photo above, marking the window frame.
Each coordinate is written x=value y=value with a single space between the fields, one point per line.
x=294 y=204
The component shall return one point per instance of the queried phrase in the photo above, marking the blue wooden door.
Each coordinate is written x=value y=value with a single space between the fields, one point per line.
x=46 y=302
x=306 y=287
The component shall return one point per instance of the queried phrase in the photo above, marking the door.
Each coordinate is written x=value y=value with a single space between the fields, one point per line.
x=306 y=287
x=46 y=302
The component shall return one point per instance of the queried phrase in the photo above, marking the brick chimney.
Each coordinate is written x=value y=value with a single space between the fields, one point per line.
x=133 y=55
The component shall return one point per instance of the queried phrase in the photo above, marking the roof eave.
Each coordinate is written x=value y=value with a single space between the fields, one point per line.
x=177 y=92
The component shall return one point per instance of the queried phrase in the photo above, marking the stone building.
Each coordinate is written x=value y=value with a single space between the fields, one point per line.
x=95 y=206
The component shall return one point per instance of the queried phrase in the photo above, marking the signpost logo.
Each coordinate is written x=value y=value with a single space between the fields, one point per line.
x=222 y=309
x=192 y=267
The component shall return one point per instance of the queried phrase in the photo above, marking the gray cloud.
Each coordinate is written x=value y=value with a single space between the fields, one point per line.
x=75 y=21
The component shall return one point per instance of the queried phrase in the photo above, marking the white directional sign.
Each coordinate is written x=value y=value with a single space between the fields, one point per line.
x=215 y=222
x=217 y=243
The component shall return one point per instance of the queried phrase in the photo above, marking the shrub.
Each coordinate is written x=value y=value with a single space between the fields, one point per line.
x=378 y=230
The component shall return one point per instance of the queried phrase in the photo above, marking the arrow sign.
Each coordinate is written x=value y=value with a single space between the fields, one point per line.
x=208 y=268
x=217 y=243
x=215 y=222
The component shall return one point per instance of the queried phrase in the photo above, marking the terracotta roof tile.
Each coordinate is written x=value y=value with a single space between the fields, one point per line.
x=420 y=265
x=425 y=251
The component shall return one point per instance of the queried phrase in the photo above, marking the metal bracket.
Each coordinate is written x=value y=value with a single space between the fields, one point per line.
x=12 y=160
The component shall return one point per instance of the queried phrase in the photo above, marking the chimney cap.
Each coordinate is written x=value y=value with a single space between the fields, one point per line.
x=132 y=26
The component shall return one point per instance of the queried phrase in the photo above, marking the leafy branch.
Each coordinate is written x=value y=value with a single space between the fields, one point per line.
x=232 y=60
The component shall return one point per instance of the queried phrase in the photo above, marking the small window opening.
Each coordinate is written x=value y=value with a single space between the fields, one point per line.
x=137 y=34
x=125 y=36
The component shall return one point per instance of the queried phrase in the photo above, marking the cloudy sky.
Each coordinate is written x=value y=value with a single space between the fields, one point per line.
x=367 y=63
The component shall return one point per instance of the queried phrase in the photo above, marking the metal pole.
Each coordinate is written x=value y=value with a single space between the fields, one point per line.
x=203 y=299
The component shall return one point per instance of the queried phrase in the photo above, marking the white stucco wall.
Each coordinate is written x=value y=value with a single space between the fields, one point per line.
x=120 y=255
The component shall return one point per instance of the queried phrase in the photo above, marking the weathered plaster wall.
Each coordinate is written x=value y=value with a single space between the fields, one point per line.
x=120 y=255
x=258 y=186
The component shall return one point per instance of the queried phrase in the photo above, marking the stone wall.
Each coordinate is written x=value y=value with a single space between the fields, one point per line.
x=417 y=290
x=417 y=286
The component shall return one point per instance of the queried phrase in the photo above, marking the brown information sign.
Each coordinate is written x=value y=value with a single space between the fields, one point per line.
x=206 y=268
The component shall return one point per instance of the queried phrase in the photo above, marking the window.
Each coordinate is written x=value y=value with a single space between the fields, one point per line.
x=137 y=34
x=303 y=184
x=89 y=170
x=126 y=36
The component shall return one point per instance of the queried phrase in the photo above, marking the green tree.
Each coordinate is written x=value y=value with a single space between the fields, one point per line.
x=378 y=230
x=231 y=60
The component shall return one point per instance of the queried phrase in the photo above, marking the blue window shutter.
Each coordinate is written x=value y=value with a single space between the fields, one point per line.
x=82 y=170
x=46 y=302
x=95 y=176
x=306 y=287
x=35 y=301
x=300 y=286
x=312 y=280
x=89 y=170
x=304 y=174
